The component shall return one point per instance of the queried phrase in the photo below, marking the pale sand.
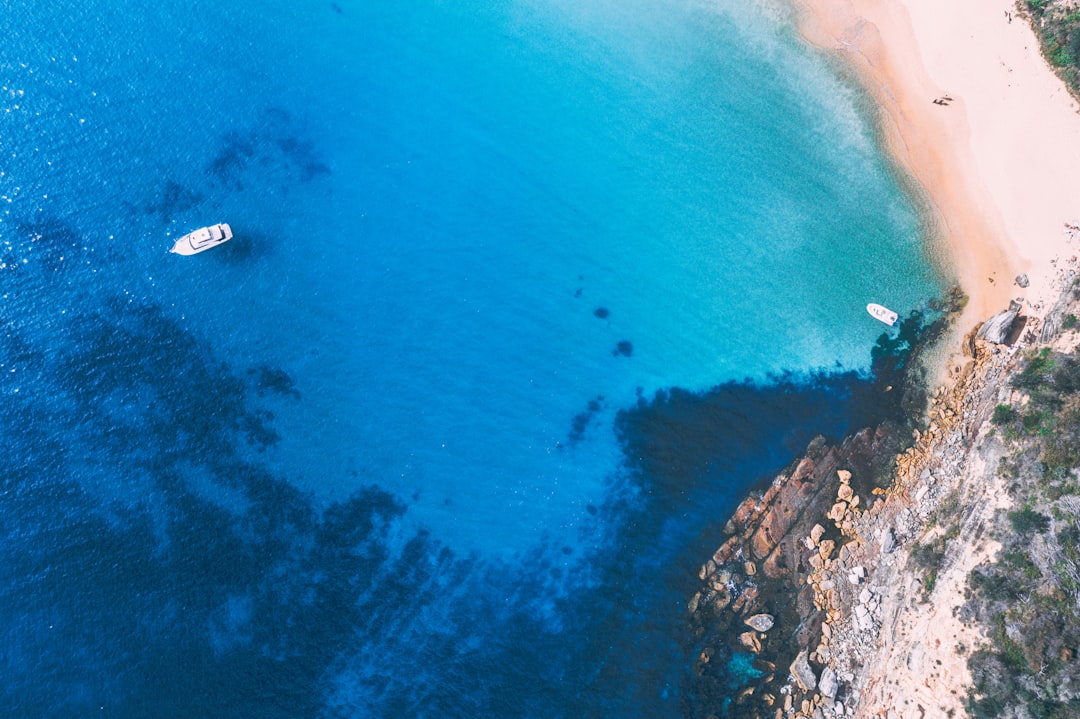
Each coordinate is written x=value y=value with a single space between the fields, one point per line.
x=1000 y=165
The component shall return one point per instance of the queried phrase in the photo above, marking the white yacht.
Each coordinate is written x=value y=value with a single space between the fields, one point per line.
x=202 y=239
x=884 y=314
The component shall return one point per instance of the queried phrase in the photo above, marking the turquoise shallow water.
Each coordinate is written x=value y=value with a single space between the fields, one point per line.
x=397 y=450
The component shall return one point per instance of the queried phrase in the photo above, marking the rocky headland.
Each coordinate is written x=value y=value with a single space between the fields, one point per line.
x=847 y=578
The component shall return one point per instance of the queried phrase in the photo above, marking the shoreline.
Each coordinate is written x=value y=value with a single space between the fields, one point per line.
x=995 y=165
x=819 y=578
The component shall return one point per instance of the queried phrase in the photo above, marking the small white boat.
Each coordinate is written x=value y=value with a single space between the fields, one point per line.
x=202 y=239
x=883 y=314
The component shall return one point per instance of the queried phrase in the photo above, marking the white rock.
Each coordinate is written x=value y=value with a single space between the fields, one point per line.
x=760 y=622
x=828 y=684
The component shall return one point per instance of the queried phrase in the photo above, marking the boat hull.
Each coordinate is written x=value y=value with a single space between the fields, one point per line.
x=202 y=239
x=882 y=313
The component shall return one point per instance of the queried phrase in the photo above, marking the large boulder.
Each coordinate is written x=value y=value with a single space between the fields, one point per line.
x=750 y=641
x=997 y=328
x=803 y=673
x=888 y=541
x=760 y=622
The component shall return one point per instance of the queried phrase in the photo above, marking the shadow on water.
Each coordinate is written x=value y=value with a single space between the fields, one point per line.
x=174 y=200
x=244 y=247
x=274 y=143
x=152 y=565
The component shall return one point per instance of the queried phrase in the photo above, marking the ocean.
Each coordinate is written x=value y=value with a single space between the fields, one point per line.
x=524 y=297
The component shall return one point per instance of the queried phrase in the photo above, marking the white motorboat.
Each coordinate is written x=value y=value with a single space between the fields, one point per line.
x=884 y=314
x=202 y=239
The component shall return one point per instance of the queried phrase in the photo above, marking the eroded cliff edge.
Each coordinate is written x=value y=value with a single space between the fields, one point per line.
x=847 y=579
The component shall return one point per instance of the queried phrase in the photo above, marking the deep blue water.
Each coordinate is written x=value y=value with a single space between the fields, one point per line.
x=524 y=297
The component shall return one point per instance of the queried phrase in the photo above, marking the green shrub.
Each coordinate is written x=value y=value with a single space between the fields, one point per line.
x=1003 y=414
x=1066 y=376
x=1070 y=320
x=1027 y=520
x=1037 y=374
x=1033 y=421
x=928 y=556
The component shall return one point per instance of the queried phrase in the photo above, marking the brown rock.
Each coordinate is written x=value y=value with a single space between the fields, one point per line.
x=844 y=475
x=803 y=674
x=845 y=492
x=750 y=641
x=826 y=548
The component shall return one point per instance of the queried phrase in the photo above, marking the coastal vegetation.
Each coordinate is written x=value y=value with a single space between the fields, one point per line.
x=1057 y=25
x=1028 y=597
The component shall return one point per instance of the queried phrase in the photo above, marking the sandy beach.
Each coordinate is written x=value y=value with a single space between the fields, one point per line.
x=997 y=159
x=999 y=163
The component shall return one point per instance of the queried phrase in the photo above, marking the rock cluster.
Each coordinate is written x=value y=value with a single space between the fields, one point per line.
x=814 y=544
x=782 y=545
x=868 y=562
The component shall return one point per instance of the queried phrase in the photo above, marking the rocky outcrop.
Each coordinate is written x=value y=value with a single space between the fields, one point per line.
x=1055 y=318
x=824 y=542
x=998 y=328
x=777 y=543
x=802 y=673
